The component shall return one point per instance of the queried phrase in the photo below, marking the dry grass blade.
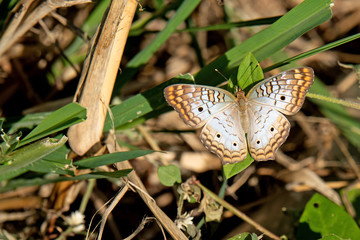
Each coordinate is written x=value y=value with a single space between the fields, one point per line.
x=21 y=24
x=114 y=202
x=142 y=225
x=309 y=178
x=348 y=156
x=166 y=222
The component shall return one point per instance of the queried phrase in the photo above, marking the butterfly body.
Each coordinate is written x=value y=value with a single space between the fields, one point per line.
x=258 y=114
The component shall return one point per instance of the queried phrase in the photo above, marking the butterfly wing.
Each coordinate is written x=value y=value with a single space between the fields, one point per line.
x=195 y=103
x=224 y=135
x=268 y=130
x=284 y=92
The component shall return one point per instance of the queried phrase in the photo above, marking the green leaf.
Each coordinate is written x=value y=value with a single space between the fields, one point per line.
x=332 y=237
x=29 y=121
x=233 y=169
x=111 y=158
x=55 y=162
x=354 y=197
x=19 y=160
x=63 y=118
x=245 y=236
x=322 y=217
x=248 y=73
x=54 y=179
x=169 y=175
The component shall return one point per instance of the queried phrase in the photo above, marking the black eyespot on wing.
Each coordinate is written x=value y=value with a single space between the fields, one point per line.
x=234 y=144
x=282 y=98
x=258 y=142
x=272 y=129
x=218 y=135
x=200 y=109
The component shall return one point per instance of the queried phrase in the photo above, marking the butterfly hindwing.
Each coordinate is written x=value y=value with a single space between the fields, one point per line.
x=224 y=135
x=268 y=130
x=195 y=103
x=284 y=92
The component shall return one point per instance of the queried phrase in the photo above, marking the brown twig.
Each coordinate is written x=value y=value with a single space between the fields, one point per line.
x=166 y=222
x=142 y=225
x=345 y=197
x=348 y=156
x=238 y=213
x=110 y=208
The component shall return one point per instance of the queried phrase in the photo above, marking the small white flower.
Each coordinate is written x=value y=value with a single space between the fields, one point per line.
x=183 y=221
x=76 y=220
x=79 y=228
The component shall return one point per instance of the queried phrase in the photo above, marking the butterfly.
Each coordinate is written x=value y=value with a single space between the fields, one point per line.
x=228 y=120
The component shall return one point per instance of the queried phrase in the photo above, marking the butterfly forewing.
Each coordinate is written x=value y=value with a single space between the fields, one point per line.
x=284 y=92
x=195 y=103
x=224 y=135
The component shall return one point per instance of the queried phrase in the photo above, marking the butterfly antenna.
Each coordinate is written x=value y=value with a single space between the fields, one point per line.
x=216 y=70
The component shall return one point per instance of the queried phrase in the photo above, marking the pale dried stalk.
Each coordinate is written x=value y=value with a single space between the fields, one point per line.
x=98 y=79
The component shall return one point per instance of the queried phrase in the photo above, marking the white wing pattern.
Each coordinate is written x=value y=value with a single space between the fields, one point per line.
x=268 y=130
x=224 y=135
x=227 y=118
x=284 y=92
x=196 y=104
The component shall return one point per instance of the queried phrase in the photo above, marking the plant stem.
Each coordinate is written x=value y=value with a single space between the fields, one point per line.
x=238 y=213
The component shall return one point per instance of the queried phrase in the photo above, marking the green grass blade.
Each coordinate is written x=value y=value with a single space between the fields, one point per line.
x=313 y=51
x=19 y=160
x=55 y=162
x=227 y=26
x=75 y=54
x=292 y=25
x=29 y=121
x=186 y=8
x=349 y=126
x=138 y=26
x=111 y=158
x=22 y=182
x=63 y=118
